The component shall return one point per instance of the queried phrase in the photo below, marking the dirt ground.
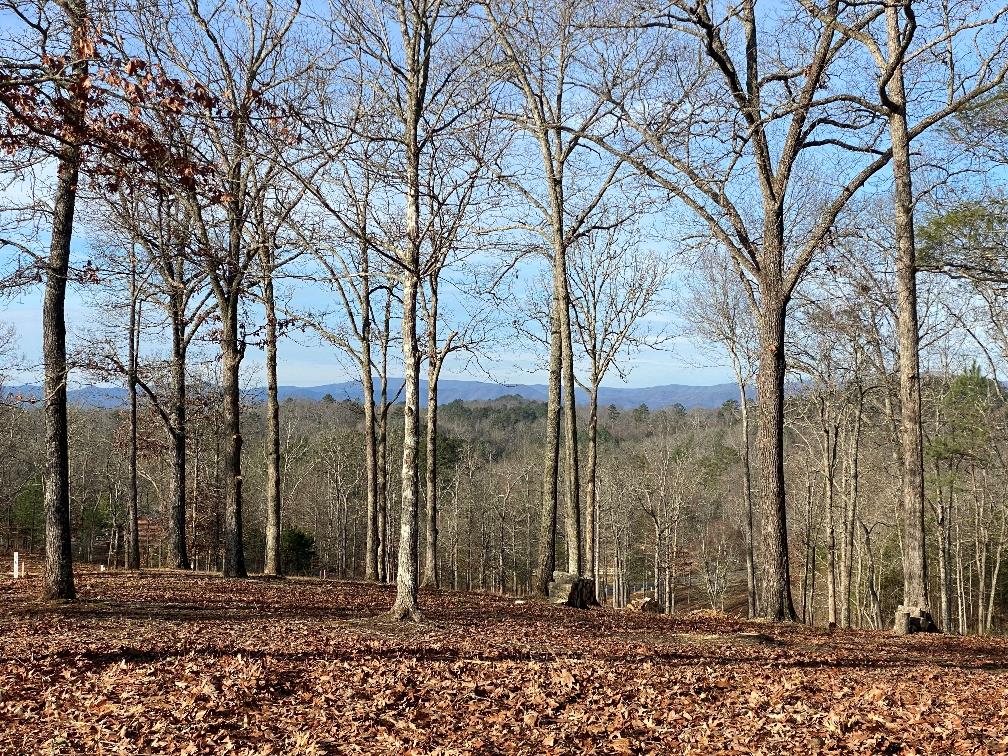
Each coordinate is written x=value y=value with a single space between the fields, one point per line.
x=176 y=663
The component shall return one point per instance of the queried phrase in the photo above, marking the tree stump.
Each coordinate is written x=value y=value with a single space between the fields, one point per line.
x=913 y=619
x=643 y=602
x=572 y=590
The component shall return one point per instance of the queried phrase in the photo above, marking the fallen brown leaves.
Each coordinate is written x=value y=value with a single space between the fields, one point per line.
x=174 y=663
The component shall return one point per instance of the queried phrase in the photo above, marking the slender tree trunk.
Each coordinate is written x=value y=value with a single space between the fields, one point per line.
x=133 y=540
x=808 y=547
x=850 y=515
x=777 y=602
x=575 y=561
x=671 y=573
x=371 y=571
x=58 y=580
x=382 y=513
x=548 y=520
x=591 y=500
x=944 y=549
x=876 y=609
x=656 y=561
x=383 y=470
x=179 y=557
x=234 y=549
x=829 y=482
x=747 y=494
x=831 y=571
x=405 y=606
x=430 y=572
x=272 y=564
x=960 y=583
x=996 y=574
x=915 y=567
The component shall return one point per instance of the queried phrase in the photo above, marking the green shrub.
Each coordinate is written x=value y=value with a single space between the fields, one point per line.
x=297 y=550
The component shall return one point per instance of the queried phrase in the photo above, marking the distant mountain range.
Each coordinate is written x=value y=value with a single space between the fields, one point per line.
x=655 y=397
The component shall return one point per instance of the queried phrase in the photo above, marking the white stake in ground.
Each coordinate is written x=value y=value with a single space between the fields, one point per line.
x=17 y=572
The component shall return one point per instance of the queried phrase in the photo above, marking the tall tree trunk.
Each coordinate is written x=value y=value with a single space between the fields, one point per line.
x=591 y=499
x=58 y=580
x=777 y=602
x=944 y=552
x=417 y=52
x=875 y=606
x=133 y=540
x=405 y=606
x=829 y=482
x=272 y=564
x=179 y=557
x=747 y=496
x=850 y=514
x=656 y=560
x=915 y=567
x=430 y=572
x=382 y=463
x=234 y=550
x=370 y=451
x=548 y=520
x=995 y=575
x=382 y=511
x=575 y=561
x=371 y=571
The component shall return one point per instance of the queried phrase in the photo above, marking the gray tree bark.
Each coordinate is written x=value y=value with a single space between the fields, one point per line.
x=133 y=535
x=548 y=519
x=58 y=579
x=777 y=602
x=179 y=557
x=414 y=20
x=231 y=355
x=915 y=566
x=405 y=606
x=744 y=456
x=591 y=494
x=371 y=571
x=430 y=571
x=272 y=564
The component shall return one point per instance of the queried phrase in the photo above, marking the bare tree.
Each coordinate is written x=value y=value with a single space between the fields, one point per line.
x=906 y=39
x=781 y=116
x=46 y=64
x=615 y=286
x=156 y=224
x=544 y=51
x=225 y=133
x=458 y=194
x=716 y=312
x=416 y=57
x=268 y=232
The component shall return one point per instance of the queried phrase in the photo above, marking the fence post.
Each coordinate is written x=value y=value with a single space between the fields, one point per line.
x=17 y=571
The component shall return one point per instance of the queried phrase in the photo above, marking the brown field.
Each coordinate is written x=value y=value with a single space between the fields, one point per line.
x=174 y=663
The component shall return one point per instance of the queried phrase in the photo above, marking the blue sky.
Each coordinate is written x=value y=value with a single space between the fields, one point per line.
x=307 y=362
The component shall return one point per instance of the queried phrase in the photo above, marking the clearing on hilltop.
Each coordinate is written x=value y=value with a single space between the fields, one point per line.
x=182 y=663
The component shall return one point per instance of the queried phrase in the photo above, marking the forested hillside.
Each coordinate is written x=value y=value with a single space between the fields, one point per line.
x=670 y=487
x=802 y=201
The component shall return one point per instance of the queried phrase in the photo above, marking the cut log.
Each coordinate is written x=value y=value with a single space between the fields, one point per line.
x=913 y=619
x=640 y=601
x=646 y=604
x=572 y=590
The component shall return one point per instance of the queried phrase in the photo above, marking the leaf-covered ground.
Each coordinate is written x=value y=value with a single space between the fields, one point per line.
x=174 y=663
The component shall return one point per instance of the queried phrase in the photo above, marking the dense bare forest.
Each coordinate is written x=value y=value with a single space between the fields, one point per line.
x=808 y=192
